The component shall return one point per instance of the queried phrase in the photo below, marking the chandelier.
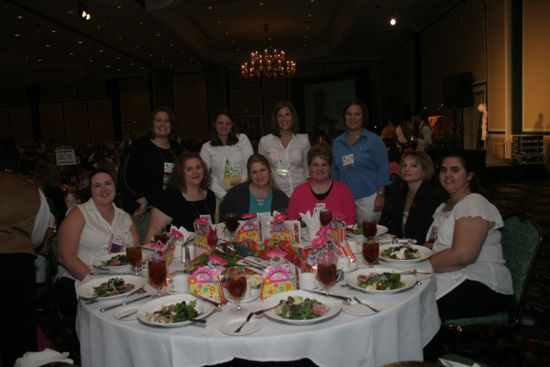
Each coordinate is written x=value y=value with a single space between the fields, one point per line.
x=271 y=63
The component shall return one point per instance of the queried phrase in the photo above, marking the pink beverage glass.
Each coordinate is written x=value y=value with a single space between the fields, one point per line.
x=231 y=223
x=369 y=228
x=157 y=272
x=134 y=257
x=371 y=250
x=236 y=284
x=326 y=270
x=325 y=217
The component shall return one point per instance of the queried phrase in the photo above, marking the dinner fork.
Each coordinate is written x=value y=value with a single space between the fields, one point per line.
x=257 y=313
x=365 y=304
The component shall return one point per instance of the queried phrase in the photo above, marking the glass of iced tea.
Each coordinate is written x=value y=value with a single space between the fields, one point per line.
x=325 y=217
x=231 y=223
x=157 y=272
x=133 y=252
x=369 y=228
x=236 y=284
x=371 y=250
x=326 y=270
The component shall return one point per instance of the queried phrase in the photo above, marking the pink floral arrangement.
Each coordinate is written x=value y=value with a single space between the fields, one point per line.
x=217 y=260
x=203 y=221
x=248 y=216
x=322 y=243
x=279 y=218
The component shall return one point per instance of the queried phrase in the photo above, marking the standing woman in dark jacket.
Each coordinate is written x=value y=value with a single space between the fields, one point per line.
x=151 y=161
x=414 y=199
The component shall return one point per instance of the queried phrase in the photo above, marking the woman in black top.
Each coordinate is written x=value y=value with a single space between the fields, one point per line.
x=414 y=199
x=151 y=161
x=186 y=198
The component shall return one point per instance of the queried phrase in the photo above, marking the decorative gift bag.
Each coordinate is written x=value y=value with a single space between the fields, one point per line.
x=205 y=282
x=202 y=226
x=278 y=277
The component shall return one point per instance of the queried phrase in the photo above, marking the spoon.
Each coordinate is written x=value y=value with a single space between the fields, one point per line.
x=259 y=312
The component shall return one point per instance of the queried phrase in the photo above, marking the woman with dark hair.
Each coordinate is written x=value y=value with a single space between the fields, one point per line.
x=256 y=195
x=286 y=150
x=150 y=161
x=87 y=233
x=226 y=154
x=414 y=199
x=186 y=198
x=467 y=247
x=361 y=162
x=321 y=188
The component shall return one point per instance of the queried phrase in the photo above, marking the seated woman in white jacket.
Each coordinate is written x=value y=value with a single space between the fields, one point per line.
x=226 y=154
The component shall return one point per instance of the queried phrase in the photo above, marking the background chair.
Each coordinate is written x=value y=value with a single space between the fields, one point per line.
x=521 y=239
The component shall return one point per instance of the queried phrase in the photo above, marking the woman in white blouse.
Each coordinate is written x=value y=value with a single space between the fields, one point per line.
x=226 y=155
x=285 y=149
x=467 y=255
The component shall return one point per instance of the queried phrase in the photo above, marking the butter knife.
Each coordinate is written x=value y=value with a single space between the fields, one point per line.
x=107 y=308
x=345 y=298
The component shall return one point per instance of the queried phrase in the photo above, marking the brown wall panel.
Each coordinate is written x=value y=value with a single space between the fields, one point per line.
x=101 y=121
x=191 y=106
x=53 y=122
x=76 y=123
x=20 y=124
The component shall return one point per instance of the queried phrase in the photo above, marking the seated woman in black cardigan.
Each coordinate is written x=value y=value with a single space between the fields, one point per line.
x=414 y=199
x=257 y=194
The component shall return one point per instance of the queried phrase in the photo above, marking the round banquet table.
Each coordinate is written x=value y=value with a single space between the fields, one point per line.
x=406 y=323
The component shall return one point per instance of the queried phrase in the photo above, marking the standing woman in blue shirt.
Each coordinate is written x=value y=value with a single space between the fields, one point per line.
x=361 y=161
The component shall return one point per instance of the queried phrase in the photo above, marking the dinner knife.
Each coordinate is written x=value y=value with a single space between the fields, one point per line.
x=345 y=298
x=107 y=308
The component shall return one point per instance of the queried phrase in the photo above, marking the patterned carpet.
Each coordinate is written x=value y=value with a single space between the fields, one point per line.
x=511 y=190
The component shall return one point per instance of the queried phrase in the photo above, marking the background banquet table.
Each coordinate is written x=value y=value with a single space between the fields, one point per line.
x=407 y=321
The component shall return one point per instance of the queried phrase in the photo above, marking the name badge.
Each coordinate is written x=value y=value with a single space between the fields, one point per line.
x=347 y=161
x=283 y=167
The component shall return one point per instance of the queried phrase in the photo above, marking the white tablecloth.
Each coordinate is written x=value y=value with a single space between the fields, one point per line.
x=407 y=322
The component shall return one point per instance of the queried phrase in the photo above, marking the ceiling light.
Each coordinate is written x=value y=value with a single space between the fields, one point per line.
x=210 y=7
x=269 y=63
x=393 y=21
x=19 y=17
x=17 y=34
x=83 y=11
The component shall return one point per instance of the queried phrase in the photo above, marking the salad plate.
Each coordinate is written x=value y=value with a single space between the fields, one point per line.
x=334 y=307
x=404 y=254
x=145 y=313
x=110 y=263
x=250 y=327
x=408 y=281
x=131 y=285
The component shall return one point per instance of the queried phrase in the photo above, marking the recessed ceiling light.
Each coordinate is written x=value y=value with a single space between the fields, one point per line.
x=142 y=68
x=71 y=53
x=171 y=44
x=141 y=22
x=210 y=7
x=261 y=3
x=120 y=38
x=117 y=57
x=220 y=21
x=158 y=35
x=309 y=15
x=226 y=33
x=100 y=51
x=163 y=61
x=107 y=66
x=133 y=63
x=119 y=6
x=98 y=26
x=150 y=55
x=19 y=17
x=393 y=21
x=39 y=60
x=137 y=47
x=91 y=60
x=118 y=69
x=80 y=42
x=17 y=34
x=47 y=45
x=311 y=1
x=53 y=31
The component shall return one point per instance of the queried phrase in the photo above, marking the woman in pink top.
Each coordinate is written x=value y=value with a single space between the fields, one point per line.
x=321 y=188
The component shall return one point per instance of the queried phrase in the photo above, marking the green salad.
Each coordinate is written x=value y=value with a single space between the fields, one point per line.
x=403 y=252
x=380 y=281
x=173 y=313
x=299 y=308
x=112 y=287
x=117 y=260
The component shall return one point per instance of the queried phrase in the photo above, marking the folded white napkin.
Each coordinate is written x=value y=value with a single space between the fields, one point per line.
x=312 y=222
x=35 y=359
x=448 y=363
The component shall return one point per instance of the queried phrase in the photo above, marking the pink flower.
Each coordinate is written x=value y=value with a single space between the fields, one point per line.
x=319 y=242
x=215 y=259
x=174 y=232
x=323 y=231
x=279 y=218
x=273 y=254
x=202 y=221
x=248 y=216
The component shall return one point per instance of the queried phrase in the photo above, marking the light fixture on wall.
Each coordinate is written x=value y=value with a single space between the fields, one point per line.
x=269 y=63
x=83 y=11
